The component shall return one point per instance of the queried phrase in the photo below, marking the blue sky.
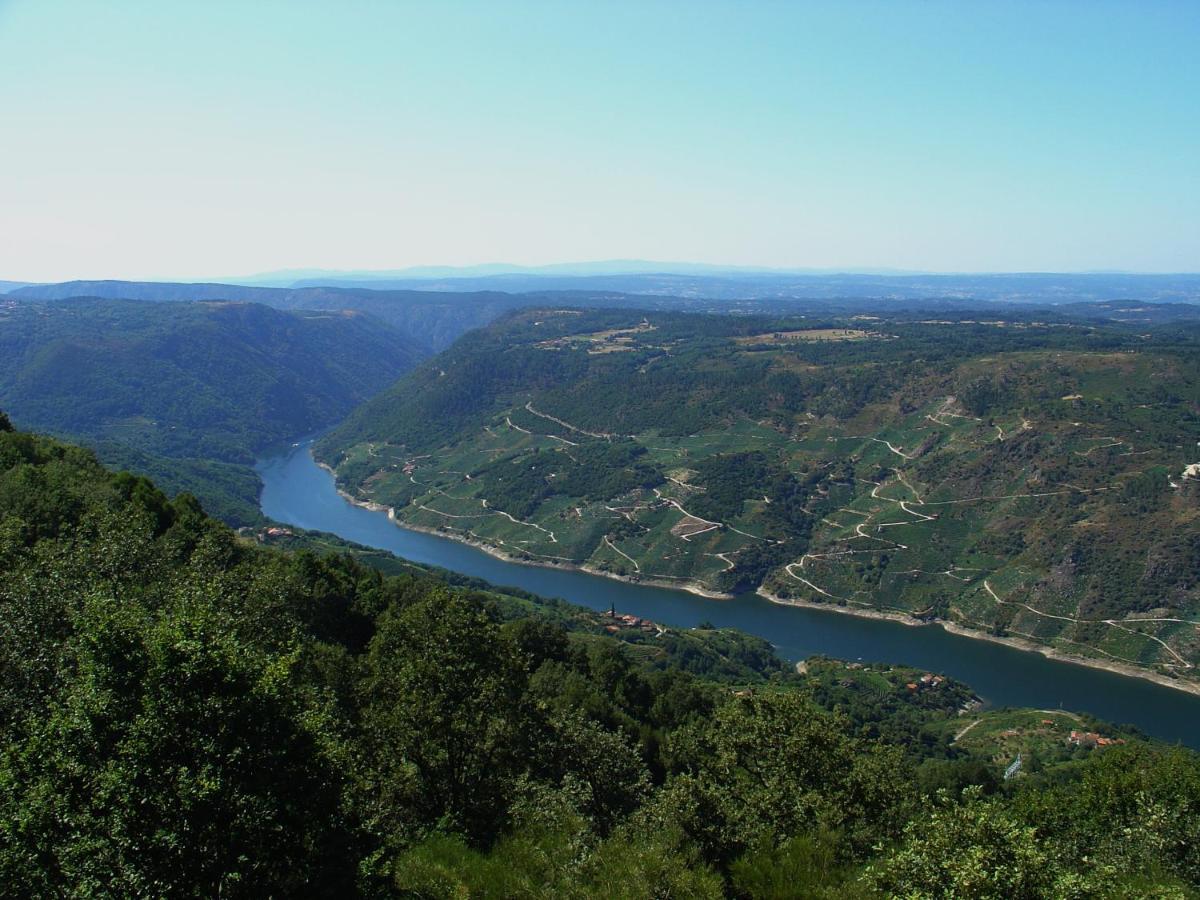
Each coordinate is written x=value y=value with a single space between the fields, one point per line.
x=172 y=139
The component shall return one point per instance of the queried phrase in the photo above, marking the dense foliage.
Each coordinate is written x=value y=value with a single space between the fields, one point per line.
x=430 y=318
x=186 y=714
x=688 y=372
x=594 y=472
x=228 y=491
x=188 y=393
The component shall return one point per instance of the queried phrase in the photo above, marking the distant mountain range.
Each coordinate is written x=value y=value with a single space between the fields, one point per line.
x=437 y=313
x=751 y=285
x=290 y=277
x=684 y=280
x=431 y=318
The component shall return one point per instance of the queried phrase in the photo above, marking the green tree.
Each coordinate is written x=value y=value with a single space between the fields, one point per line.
x=176 y=761
x=773 y=765
x=972 y=849
x=805 y=867
x=442 y=716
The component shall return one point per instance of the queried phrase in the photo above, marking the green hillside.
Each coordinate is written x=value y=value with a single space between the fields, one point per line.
x=190 y=392
x=431 y=318
x=433 y=314
x=186 y=713
x=1016 y=475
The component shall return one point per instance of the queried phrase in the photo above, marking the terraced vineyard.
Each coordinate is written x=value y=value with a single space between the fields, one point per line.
x=1019 y=478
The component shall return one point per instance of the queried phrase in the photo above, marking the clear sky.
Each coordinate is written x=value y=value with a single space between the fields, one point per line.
x=208 y=138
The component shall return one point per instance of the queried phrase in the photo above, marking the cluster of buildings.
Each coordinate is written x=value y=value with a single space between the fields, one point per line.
x=615 y=622
x=928 y=680
x=1091 y=739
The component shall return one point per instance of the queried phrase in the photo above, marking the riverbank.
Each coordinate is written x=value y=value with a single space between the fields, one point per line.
x=691 y=587
x=296 y=491
x=1018 y=643
x=698 y=589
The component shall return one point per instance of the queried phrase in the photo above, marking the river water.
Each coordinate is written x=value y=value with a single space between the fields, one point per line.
x=299 y=492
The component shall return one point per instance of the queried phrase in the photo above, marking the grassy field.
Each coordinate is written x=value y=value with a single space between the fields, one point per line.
x=779 y=338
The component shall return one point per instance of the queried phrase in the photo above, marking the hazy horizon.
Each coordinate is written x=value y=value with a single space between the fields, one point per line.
x=196 y=142
x=588 y=268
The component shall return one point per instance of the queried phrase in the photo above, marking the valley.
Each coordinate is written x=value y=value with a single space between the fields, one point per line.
x=1024 y=483
x=337 y=699
x=299 y=492
x=190 y=392
x=628 y=451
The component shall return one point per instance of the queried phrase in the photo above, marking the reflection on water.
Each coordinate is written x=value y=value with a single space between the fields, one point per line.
x=297 y=491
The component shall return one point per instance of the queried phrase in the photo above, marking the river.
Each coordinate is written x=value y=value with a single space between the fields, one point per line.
x=299 y=492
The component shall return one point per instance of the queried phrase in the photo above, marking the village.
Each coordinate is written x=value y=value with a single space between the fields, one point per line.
x=615 y=623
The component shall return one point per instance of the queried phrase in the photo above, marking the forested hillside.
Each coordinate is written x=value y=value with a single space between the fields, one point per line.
x=184 y=713
x=428 y=318
x=434 y=313
x=1023 y=476
x=190 y=392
